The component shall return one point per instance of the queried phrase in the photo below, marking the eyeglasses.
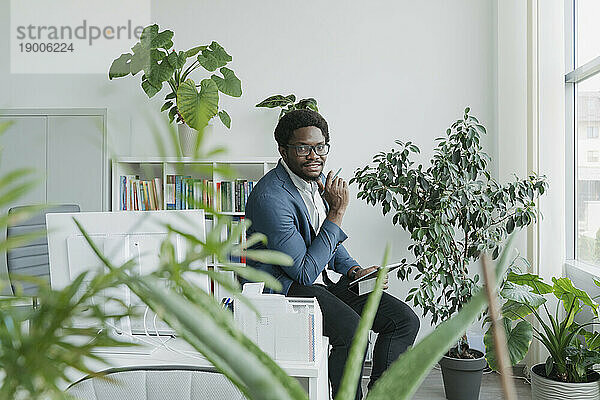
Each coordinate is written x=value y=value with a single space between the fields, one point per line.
x=303 y=150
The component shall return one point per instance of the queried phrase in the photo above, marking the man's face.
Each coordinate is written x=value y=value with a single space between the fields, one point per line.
x=307 y=167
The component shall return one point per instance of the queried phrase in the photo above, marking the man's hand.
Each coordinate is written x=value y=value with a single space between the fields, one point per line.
x=335 y=193
x=365 y=271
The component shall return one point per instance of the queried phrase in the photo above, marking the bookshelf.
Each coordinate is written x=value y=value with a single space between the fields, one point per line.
x=225 y=184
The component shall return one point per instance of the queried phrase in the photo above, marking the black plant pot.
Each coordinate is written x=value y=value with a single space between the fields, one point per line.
x=462 y=377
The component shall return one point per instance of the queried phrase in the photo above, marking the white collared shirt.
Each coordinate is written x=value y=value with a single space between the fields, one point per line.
x=309 y=191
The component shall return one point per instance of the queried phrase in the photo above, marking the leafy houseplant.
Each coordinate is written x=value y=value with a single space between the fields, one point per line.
x=573 y=348
x=288 y=103
x=454 y=211
x=160 y=64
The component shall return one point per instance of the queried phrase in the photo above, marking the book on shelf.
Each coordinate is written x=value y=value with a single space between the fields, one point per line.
x=139 y=195
x=170 y=192
x=186 y=193
x=232 y=196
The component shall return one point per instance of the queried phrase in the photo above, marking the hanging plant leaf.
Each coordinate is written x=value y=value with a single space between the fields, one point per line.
x=145 y=51
x=220 y=53
x=277 y=101
x=208 y=61
x=225 y=119
x=213 y=57
x=231 y=85
x=195 y=50
x=166 y=106
x=120 y=67
x=197 y=108
x=177 y=60
x=310 y=104
x=160 y=72
x=150 y=89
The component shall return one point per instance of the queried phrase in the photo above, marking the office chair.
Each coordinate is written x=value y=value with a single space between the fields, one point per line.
x=31 y=259
x=156 y=383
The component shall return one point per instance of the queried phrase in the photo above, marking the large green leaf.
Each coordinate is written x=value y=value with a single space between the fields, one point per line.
x=197 y=108
x=230 y=85
x=148 y=57
x=518 y=340
x=146 y=53
x=120 y=67
x=213 y=57
x=570 y=295
x=522 y=294
x=531 y=280
x=406 y=374
x=149 y=88
x=177 y=60
x=277 y=101
x=219 y=52
x=514 y=310
x=160 y=72
x=152 y=39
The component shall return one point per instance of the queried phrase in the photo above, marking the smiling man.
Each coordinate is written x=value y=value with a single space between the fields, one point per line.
x=301 y=212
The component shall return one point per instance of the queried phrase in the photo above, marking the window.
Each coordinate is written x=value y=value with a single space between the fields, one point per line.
x=583 y=124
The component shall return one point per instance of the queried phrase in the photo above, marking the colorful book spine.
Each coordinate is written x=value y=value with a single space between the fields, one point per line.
x=238 y=193
x=123 y=194
x=158 y=193
x=218 y=198
x=170 y=192
x=178 y=202
x=190 y=193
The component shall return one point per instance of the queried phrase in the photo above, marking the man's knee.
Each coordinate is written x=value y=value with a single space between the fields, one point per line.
x=350 y=326
x=413 y=323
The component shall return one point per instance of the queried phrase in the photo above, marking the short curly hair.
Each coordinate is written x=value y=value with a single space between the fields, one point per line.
x=299 y=119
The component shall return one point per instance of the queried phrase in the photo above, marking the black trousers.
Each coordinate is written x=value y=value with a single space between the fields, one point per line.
x=395 y=322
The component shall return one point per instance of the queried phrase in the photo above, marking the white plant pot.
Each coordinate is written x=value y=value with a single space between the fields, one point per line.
x=543 y=388
x=187 y=139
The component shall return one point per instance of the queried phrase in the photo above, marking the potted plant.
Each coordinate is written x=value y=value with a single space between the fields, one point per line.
x=288 y=103
x=454 y=210
x=567 y=373
x=161 y=64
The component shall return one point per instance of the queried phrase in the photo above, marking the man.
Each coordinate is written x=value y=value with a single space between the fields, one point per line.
x=301 y=214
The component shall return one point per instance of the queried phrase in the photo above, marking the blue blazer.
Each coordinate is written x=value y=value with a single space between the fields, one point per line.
x=277 y=210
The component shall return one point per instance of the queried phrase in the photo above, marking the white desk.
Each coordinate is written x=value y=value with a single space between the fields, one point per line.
x=313 y=376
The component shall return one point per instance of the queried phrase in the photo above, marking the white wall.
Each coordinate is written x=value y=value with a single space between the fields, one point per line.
x=381 y=71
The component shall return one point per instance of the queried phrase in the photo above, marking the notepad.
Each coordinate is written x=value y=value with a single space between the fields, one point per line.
x=366 y=283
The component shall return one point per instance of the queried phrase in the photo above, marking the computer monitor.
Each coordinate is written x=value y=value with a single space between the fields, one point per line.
x=121 y=236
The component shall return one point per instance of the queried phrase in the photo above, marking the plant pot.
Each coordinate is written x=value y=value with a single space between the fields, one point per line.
x=543 y=388
x=462 y=377
x=187 y=139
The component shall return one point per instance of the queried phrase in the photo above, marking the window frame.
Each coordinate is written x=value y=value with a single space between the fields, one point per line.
x=573 y=76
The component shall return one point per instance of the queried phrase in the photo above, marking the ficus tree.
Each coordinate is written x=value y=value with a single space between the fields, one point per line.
x=453 y=210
